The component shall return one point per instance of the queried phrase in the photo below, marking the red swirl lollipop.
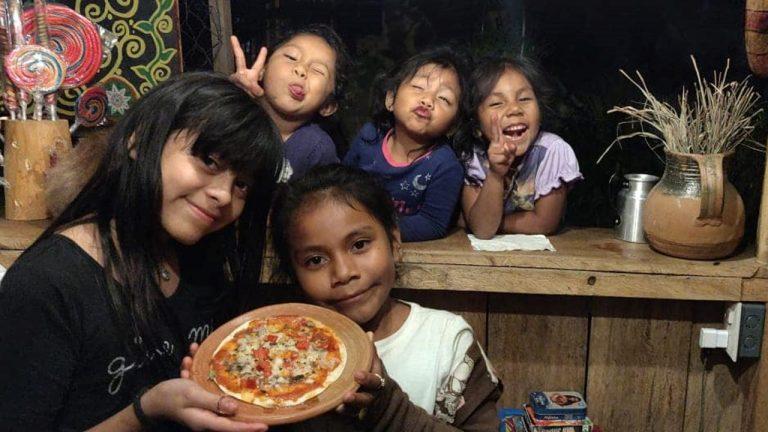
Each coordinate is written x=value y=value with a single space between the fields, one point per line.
x=35 y=69
x=92 y=107
x=74 y=38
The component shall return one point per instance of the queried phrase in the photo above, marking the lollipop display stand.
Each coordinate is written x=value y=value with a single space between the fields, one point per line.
x=31 y=147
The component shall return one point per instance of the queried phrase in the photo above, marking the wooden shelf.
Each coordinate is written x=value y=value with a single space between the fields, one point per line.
x=588 y=262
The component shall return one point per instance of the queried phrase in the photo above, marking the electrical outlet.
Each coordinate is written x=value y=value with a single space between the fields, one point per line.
x=751 y=330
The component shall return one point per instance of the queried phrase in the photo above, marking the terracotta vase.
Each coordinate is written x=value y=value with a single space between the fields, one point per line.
x=756 y=36
x=694 y=211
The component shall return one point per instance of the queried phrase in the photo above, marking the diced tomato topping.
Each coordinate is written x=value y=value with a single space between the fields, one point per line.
x=320 y=340
x=261 y=354
x=302 y=344
x=249 y=383
x=272 y=338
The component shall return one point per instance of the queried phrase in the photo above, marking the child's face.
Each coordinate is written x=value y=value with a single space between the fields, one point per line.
x=300 y=76
x=427 y=104
x=200 y=196
x=343 y=259
x=514 y=102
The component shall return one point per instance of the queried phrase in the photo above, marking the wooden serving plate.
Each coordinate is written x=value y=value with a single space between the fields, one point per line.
x=359 y=356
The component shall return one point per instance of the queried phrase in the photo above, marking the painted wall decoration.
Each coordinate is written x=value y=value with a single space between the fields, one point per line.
x=147 y=51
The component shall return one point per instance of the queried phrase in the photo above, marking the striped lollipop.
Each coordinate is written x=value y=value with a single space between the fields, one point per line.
x=74 y=38
x=92 y=107
x=35 y=69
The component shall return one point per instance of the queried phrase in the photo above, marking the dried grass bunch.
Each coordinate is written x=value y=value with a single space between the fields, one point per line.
x=718 y=120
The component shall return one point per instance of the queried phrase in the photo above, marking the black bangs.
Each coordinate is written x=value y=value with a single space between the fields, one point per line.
x=245 y=139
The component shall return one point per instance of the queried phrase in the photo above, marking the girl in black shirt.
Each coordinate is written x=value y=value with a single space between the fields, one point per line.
x=150 y=256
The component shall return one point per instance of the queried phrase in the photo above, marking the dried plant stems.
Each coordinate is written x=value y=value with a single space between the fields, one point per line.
x=719 y=119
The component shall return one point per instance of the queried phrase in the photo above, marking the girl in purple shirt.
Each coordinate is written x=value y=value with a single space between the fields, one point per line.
x=518 y=176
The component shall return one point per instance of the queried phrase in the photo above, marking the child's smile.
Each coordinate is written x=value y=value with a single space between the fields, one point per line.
x=514 y=102
x=343 y=258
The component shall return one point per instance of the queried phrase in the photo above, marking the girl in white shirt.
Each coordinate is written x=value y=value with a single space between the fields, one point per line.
x=335 y=233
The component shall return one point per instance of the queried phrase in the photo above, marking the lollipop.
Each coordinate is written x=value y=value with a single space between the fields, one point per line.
x=121 y=95
x=34 y=69
x=91 y=109
x=74 y=38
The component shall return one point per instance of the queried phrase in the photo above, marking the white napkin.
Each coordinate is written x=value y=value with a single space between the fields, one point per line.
x=510 y=242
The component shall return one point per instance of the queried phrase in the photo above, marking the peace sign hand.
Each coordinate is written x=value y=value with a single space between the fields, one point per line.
x=245 y=78
x=501 y=154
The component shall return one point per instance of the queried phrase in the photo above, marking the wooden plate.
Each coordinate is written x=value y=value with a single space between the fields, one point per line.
x=359 y=356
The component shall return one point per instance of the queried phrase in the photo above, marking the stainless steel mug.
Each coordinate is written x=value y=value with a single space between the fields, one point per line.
x=629 y=205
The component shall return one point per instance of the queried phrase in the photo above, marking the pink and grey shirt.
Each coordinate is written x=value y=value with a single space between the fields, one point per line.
x=548 y=164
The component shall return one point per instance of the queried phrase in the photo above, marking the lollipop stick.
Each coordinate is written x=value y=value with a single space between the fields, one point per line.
x=74 y=126
x=50 y=102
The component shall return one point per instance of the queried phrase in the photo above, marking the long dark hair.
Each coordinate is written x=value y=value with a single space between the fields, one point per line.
x=484 y=78
x=124 y=196
x=335 y=182
x=444 y=57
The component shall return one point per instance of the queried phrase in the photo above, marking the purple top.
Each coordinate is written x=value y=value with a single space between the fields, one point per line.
x=307 y=147
x=424 y=192
x=548 y=164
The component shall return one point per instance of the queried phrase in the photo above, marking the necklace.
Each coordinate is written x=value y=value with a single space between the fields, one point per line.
x=164 y=273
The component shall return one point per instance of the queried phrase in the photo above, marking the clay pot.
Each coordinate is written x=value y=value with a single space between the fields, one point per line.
x=694 y=211
x=756 y=36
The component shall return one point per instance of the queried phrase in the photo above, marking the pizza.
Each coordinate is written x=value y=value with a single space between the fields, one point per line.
x=278 y=361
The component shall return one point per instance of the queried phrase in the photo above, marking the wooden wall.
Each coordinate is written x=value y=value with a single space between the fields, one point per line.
x=636 y=361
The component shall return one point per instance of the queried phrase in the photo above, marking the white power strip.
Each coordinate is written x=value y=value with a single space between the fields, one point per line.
x=727 y=338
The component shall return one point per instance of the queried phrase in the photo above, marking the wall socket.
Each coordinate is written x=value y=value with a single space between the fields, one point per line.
x=743 y=333
x=751 y=331
x=744 y=323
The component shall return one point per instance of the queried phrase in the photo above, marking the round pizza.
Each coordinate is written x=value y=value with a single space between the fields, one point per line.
x=278 y=361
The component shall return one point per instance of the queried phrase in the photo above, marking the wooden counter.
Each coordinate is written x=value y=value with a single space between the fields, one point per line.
x=614 y=320
x=588 y=262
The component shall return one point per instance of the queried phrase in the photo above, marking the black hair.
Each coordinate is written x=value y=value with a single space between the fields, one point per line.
x=124 y=196
x=329 y=35
x=442 y=56
x=337 y=182
x=482 y=81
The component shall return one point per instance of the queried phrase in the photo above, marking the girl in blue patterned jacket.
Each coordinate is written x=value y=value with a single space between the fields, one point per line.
x=421 y=105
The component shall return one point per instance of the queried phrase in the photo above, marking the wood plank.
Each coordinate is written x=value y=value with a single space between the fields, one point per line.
x=472 y=306
x=579 y=249
x=714 y=399
x=221 y=30
x=638 y=364
x=755 y=384
x=754 y=290
x=537 y=343
x=565 y=282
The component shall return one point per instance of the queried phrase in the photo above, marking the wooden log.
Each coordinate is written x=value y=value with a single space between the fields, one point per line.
x=221 y=30
x=762 y=224
x=31 y=147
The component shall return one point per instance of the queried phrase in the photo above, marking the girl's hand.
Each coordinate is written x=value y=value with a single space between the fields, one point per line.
x=248 y=79
x=501 y=154
x=186 y=362
x=185 y=402
x=370 y=383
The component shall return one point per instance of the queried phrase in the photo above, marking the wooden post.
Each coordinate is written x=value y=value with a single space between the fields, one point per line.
x=762 y=224
x=221 y=30
x=31 y=146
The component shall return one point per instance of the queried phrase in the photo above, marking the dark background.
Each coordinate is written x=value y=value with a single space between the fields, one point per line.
x=580 y=44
